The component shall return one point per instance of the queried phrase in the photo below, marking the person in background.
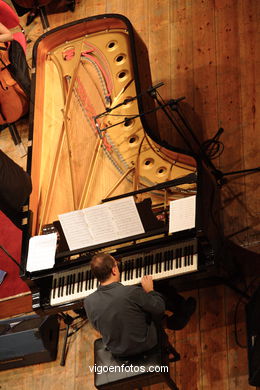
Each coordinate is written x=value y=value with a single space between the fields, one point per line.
x=126 y=316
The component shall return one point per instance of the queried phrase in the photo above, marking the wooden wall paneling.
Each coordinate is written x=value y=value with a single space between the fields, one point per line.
x=188 y=344
x=181 y=60
x=213 y=339
x=237 y=356
x=249 y=33
x=116 y=7
x=229 y=113
x=139 y=17
x=160 y=53
x=204 y=68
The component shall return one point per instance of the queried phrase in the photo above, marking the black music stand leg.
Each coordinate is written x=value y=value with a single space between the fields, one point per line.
x=68 y=321
x=64 y=348
x=44 y=18
x=17 y=139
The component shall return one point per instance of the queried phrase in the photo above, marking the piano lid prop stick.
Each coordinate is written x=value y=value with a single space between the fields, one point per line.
x=91 y=171
x=137 y=166
x=119 y=182
x=56 y=160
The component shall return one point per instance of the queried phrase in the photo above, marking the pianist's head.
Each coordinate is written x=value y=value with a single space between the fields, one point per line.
x=105 y=268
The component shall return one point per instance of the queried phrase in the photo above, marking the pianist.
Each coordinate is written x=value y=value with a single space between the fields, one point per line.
x=125 y=316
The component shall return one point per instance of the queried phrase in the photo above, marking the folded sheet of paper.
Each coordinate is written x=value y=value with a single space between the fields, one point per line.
x=182 y=214
x=102 y=223
x=41 y=254
x=2 y=275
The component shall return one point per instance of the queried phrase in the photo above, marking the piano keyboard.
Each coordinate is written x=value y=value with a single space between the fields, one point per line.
x=161 y=263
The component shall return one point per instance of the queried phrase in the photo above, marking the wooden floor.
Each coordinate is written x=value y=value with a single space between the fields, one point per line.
x=208 y=51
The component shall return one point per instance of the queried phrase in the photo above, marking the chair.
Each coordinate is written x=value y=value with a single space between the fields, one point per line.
x=133 y=373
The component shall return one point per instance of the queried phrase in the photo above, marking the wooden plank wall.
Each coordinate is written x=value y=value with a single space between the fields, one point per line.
x=207 y=51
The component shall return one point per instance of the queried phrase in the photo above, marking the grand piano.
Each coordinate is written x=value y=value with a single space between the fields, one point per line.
x=94 y=138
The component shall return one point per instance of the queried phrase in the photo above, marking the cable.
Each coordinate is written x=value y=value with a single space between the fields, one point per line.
x=236 y=311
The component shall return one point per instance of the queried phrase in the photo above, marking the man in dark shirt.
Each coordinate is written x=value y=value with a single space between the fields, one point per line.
x=124 y=315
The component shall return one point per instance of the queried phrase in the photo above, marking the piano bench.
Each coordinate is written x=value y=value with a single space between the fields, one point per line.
x=146 y=369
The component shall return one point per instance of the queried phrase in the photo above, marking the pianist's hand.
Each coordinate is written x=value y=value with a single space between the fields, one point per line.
x=147 y=283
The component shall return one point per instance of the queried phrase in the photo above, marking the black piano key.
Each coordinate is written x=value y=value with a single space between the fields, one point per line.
x=78 y=276
x=81 y=281
x=145 y=265
x=129 y=270
x=148 y=265
x=72 y=284
x=59 y=284
x=67 y=284
x=171 y=259
x=70 y=280
x=180 y=259
x=191 y=255
x=62 y=285
x=136 y=267
x=125 y=270
x=78 y=281
x=166 y=261
x=156 y=263
x=160 y=262
x=87 y=278
x=54 y=288
x=177 y=251
x=151 y=263
x=132 y=269
x=185 y=256
x=141 y=261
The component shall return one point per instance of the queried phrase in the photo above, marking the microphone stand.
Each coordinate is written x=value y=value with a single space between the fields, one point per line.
x=173 y=105
x=27 y=273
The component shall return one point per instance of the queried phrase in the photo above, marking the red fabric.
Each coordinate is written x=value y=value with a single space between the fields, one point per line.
x=11 y=240
x=8 y=17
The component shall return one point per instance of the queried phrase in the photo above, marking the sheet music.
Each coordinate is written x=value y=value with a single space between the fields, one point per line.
x=41 y=254
x=182 y=214
x=102 y=223
x=76 y=230
x=126 y=217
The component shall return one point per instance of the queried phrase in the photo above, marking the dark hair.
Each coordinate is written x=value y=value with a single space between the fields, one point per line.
x=101 y=266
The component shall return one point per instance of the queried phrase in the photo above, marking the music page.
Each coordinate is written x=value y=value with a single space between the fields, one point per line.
x=41 y=254
x=182 y=214
x=76 y=230
x=102 y=223
x=126 y=217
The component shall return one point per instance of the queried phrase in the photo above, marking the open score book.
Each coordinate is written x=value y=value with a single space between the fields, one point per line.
x=102 y=223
